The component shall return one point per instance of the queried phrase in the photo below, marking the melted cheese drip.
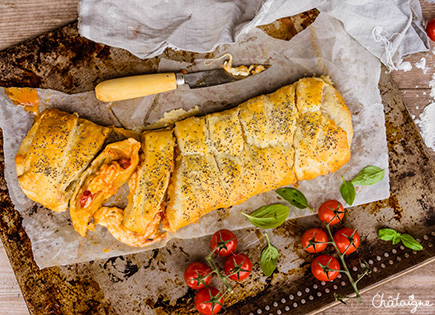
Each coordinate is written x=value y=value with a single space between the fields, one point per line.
x=240 y=71
x=26 y=97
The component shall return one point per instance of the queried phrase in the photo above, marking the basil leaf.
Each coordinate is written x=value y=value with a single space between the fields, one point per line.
x=269 y=258
x=368 y=176
x=387 y=234
x=268 y=217
x=294 y=197
x=347 y=191
x=396 y=239
x=410 y=242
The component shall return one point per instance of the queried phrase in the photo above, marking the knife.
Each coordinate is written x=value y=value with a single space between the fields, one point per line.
x=142 y=85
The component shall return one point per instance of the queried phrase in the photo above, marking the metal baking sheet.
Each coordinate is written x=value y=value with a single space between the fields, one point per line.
x=63 y=60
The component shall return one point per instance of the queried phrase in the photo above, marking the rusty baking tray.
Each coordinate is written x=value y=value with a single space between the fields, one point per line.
x=65 y=61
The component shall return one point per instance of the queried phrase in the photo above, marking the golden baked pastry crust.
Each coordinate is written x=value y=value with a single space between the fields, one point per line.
x=205 y=163
x=298 y=132
x=57 y=149
x=149 y=183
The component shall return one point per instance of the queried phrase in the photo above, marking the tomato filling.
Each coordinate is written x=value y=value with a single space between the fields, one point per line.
x=124 y=163
x=86 y=198
x=104 y=180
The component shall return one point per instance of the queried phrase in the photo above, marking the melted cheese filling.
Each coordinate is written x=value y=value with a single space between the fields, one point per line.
x=104 y=180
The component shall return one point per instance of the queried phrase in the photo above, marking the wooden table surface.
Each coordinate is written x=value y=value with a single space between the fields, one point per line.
x=24 y=19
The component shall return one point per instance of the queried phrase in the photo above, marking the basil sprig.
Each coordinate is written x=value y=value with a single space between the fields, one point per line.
x=394 y=236
x=269 y=258
x=268 y=217
x=294 y=197
x=347 y=191
x=369 y=175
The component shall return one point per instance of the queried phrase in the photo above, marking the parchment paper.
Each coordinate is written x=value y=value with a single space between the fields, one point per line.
x=389 y=29
x=353 y=69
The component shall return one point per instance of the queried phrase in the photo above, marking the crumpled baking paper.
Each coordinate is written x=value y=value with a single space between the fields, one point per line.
x=389 y=29
x=325 y=48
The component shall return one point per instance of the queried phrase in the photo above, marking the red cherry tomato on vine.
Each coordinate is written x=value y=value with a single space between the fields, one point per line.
x=197 y=275
x=310 y=237
x=343 y=239
x=208 y=301
x=327 y=261
x=239 y=266
x=225 y=241
x=430 y=29
x=331 y=211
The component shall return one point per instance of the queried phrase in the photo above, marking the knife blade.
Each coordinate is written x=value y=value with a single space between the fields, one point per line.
x=142 y=85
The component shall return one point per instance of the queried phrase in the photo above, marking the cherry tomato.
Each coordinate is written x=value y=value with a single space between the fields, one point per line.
x=208 y=301
x=319 y=273
x=239 y=266
x=86 y=198
x=225 y=241
x=197 y=275
x=310 y=237
x=343 y=239
x=331 y=211
x=430 y=29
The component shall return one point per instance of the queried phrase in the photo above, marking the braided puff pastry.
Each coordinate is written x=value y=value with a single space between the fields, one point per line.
x=297 y=133
x=57 y=149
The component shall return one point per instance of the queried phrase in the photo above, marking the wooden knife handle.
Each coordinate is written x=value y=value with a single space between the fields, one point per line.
x=135 y=86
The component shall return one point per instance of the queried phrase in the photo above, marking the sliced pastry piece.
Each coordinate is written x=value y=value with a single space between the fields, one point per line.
x=110 y=170
x=272 y=166
x=191 y=135
x=225 y=132
x=112 y=219
x=57 y=149
x=148 y=185
x=254 y=122
x=182 y=208
x=324 y=131
x=282 y=115
x=204 y=176
x=239 y=177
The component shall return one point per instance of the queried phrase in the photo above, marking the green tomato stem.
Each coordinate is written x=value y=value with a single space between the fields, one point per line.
x=215 y=269
x=346 y=271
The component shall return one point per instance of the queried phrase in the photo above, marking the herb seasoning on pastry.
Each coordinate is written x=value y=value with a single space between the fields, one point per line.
x=148 y=185
x=108 y=172
x=56 y=150
x=296 y=133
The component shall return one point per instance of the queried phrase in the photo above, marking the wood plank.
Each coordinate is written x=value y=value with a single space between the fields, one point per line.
x=419 y=283
x=11 y=299
x=25 y=19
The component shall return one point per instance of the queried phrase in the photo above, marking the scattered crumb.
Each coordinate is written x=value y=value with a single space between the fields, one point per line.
x=432 y=86
x=422 y=65
x=405 y=66
x=426 y=123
